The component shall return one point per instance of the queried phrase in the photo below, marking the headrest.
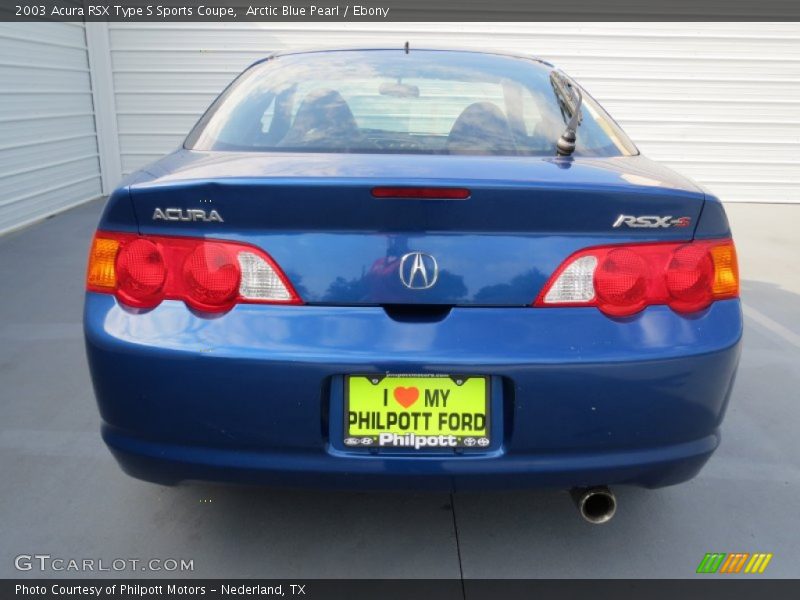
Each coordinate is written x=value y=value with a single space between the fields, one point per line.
x=481 y=128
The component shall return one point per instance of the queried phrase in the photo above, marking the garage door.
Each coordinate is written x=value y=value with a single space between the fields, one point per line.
x=48 y=148
x=717 y=101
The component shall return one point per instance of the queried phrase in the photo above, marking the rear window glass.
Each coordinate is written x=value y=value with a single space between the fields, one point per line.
x=386 y=101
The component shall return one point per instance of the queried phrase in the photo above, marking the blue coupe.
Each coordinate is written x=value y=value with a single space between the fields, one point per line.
x=412 y=269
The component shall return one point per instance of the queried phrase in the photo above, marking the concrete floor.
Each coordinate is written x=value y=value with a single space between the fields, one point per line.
x=62 y=494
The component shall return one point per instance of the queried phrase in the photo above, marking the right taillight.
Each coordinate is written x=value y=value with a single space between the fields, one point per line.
x=210 y=276
x=621 y=280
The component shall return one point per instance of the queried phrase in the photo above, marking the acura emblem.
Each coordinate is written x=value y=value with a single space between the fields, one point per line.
x=418 y=271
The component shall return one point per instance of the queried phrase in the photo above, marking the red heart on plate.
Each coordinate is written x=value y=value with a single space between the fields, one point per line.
x=406 y=396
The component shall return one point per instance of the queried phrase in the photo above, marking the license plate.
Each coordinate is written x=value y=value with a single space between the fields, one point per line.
x=416 y=412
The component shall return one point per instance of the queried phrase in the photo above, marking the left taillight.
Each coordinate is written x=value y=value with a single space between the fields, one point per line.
x=208 y=275
x=622 y=280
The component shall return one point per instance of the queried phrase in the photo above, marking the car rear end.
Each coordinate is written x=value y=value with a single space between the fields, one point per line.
x=255 y=390
x=382 y=320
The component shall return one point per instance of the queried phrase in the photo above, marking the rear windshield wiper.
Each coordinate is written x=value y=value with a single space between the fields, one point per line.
x=572 y=99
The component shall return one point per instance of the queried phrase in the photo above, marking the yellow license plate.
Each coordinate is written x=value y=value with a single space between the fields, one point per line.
x=416 y=412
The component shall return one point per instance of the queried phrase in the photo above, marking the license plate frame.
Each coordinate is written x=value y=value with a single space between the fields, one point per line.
x=419 y=438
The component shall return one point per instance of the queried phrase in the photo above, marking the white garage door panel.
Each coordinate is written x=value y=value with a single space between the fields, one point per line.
x=63 y=169
x=702 y=91
x=763 y=151
x=48 y=78
x=738 y=136
x=719 y=102
x=48 y=147
x=701 y=72
x=42 y=129
x=167 y=102
x=733 y=171
x=18 y=50
x=146 y=122
x=153 y=80
x=733 y=112
x=48 y=200
x=757 y=191
x=150 y=143
x=18 y=158
x=37 y=103
x=166 y=59
x=64 y=34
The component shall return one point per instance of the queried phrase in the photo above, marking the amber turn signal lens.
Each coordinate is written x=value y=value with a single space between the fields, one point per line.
x=726 y=271
x=101 y=273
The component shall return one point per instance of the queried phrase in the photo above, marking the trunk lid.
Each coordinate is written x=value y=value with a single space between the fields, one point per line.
x=316 y=216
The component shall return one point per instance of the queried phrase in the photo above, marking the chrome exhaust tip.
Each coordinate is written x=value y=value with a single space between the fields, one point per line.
x=597 y=505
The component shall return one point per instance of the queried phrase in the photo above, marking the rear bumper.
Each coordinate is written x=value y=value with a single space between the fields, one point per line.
x=255 y=396
x=168 y=464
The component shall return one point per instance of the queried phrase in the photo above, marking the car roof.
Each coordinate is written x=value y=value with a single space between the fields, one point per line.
x=489 y=52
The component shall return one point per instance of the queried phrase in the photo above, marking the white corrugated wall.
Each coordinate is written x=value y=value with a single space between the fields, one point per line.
x=719 y=102
x=48 y=148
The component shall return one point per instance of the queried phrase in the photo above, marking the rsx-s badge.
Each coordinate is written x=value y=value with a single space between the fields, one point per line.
x=652 y=221
x=188 y=214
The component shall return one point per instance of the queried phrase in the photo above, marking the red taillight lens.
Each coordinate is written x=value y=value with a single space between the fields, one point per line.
x=208 y=275
x=689 y=278
x=211 y=275
x=141 y=273
x=622 y=280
